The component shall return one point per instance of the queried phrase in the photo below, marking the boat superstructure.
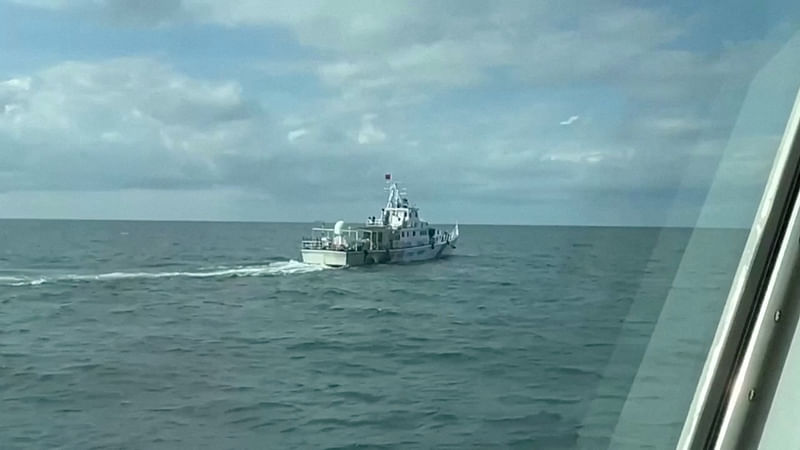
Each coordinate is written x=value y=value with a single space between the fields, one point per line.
x=397 y=235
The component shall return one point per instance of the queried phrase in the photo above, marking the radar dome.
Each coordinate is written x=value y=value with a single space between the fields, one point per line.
x=337 y=229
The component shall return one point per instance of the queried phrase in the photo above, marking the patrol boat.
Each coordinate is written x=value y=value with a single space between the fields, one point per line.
x=397 y=235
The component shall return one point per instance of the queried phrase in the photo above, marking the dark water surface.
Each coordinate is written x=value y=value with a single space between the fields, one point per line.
x=212 y=335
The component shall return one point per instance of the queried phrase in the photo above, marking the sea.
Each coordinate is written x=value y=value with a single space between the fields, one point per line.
x=190 y=335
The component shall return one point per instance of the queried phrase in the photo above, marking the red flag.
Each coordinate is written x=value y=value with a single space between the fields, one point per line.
x=388 y=176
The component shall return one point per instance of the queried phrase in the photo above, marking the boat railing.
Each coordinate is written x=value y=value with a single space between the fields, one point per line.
x=314 y=244
x=330 y=232
x=328 y=244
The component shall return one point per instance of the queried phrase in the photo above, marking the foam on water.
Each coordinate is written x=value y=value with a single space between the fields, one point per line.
x=275 y=268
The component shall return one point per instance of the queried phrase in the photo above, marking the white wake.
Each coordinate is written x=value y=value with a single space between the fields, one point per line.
x=275 y=268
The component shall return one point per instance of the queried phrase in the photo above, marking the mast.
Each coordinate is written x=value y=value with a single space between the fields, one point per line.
x=394 y=192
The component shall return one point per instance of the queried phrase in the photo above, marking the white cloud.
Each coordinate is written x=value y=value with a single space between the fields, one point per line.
x=380 y=46
x=137 y=123
x=584 y=157
x=570 y=121
x=15 y=84
x=369 y=132
x=398 y=53
x=122 y=122
x=431 y=70
x=296 y=134
x=9 y=108
x=46 y=4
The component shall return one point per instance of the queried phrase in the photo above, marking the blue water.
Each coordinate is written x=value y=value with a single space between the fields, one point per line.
x=212 y=335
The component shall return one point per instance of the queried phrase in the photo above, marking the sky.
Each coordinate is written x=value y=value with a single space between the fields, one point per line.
x=505 y=112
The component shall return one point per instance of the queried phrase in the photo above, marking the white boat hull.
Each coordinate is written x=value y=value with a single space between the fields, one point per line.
x=334 y=258
x=421 y=253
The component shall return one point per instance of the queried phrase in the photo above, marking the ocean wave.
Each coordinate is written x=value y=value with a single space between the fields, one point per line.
x=275 y=268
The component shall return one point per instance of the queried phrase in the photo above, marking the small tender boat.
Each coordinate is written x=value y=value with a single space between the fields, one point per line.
x=398 y=235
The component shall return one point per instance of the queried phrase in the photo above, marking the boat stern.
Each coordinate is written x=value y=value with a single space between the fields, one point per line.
x=334 y=258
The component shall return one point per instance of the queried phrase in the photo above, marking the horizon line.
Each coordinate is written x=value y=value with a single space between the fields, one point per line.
x=296 y=222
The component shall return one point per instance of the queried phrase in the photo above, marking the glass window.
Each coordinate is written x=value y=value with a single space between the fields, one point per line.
x=684 y=324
